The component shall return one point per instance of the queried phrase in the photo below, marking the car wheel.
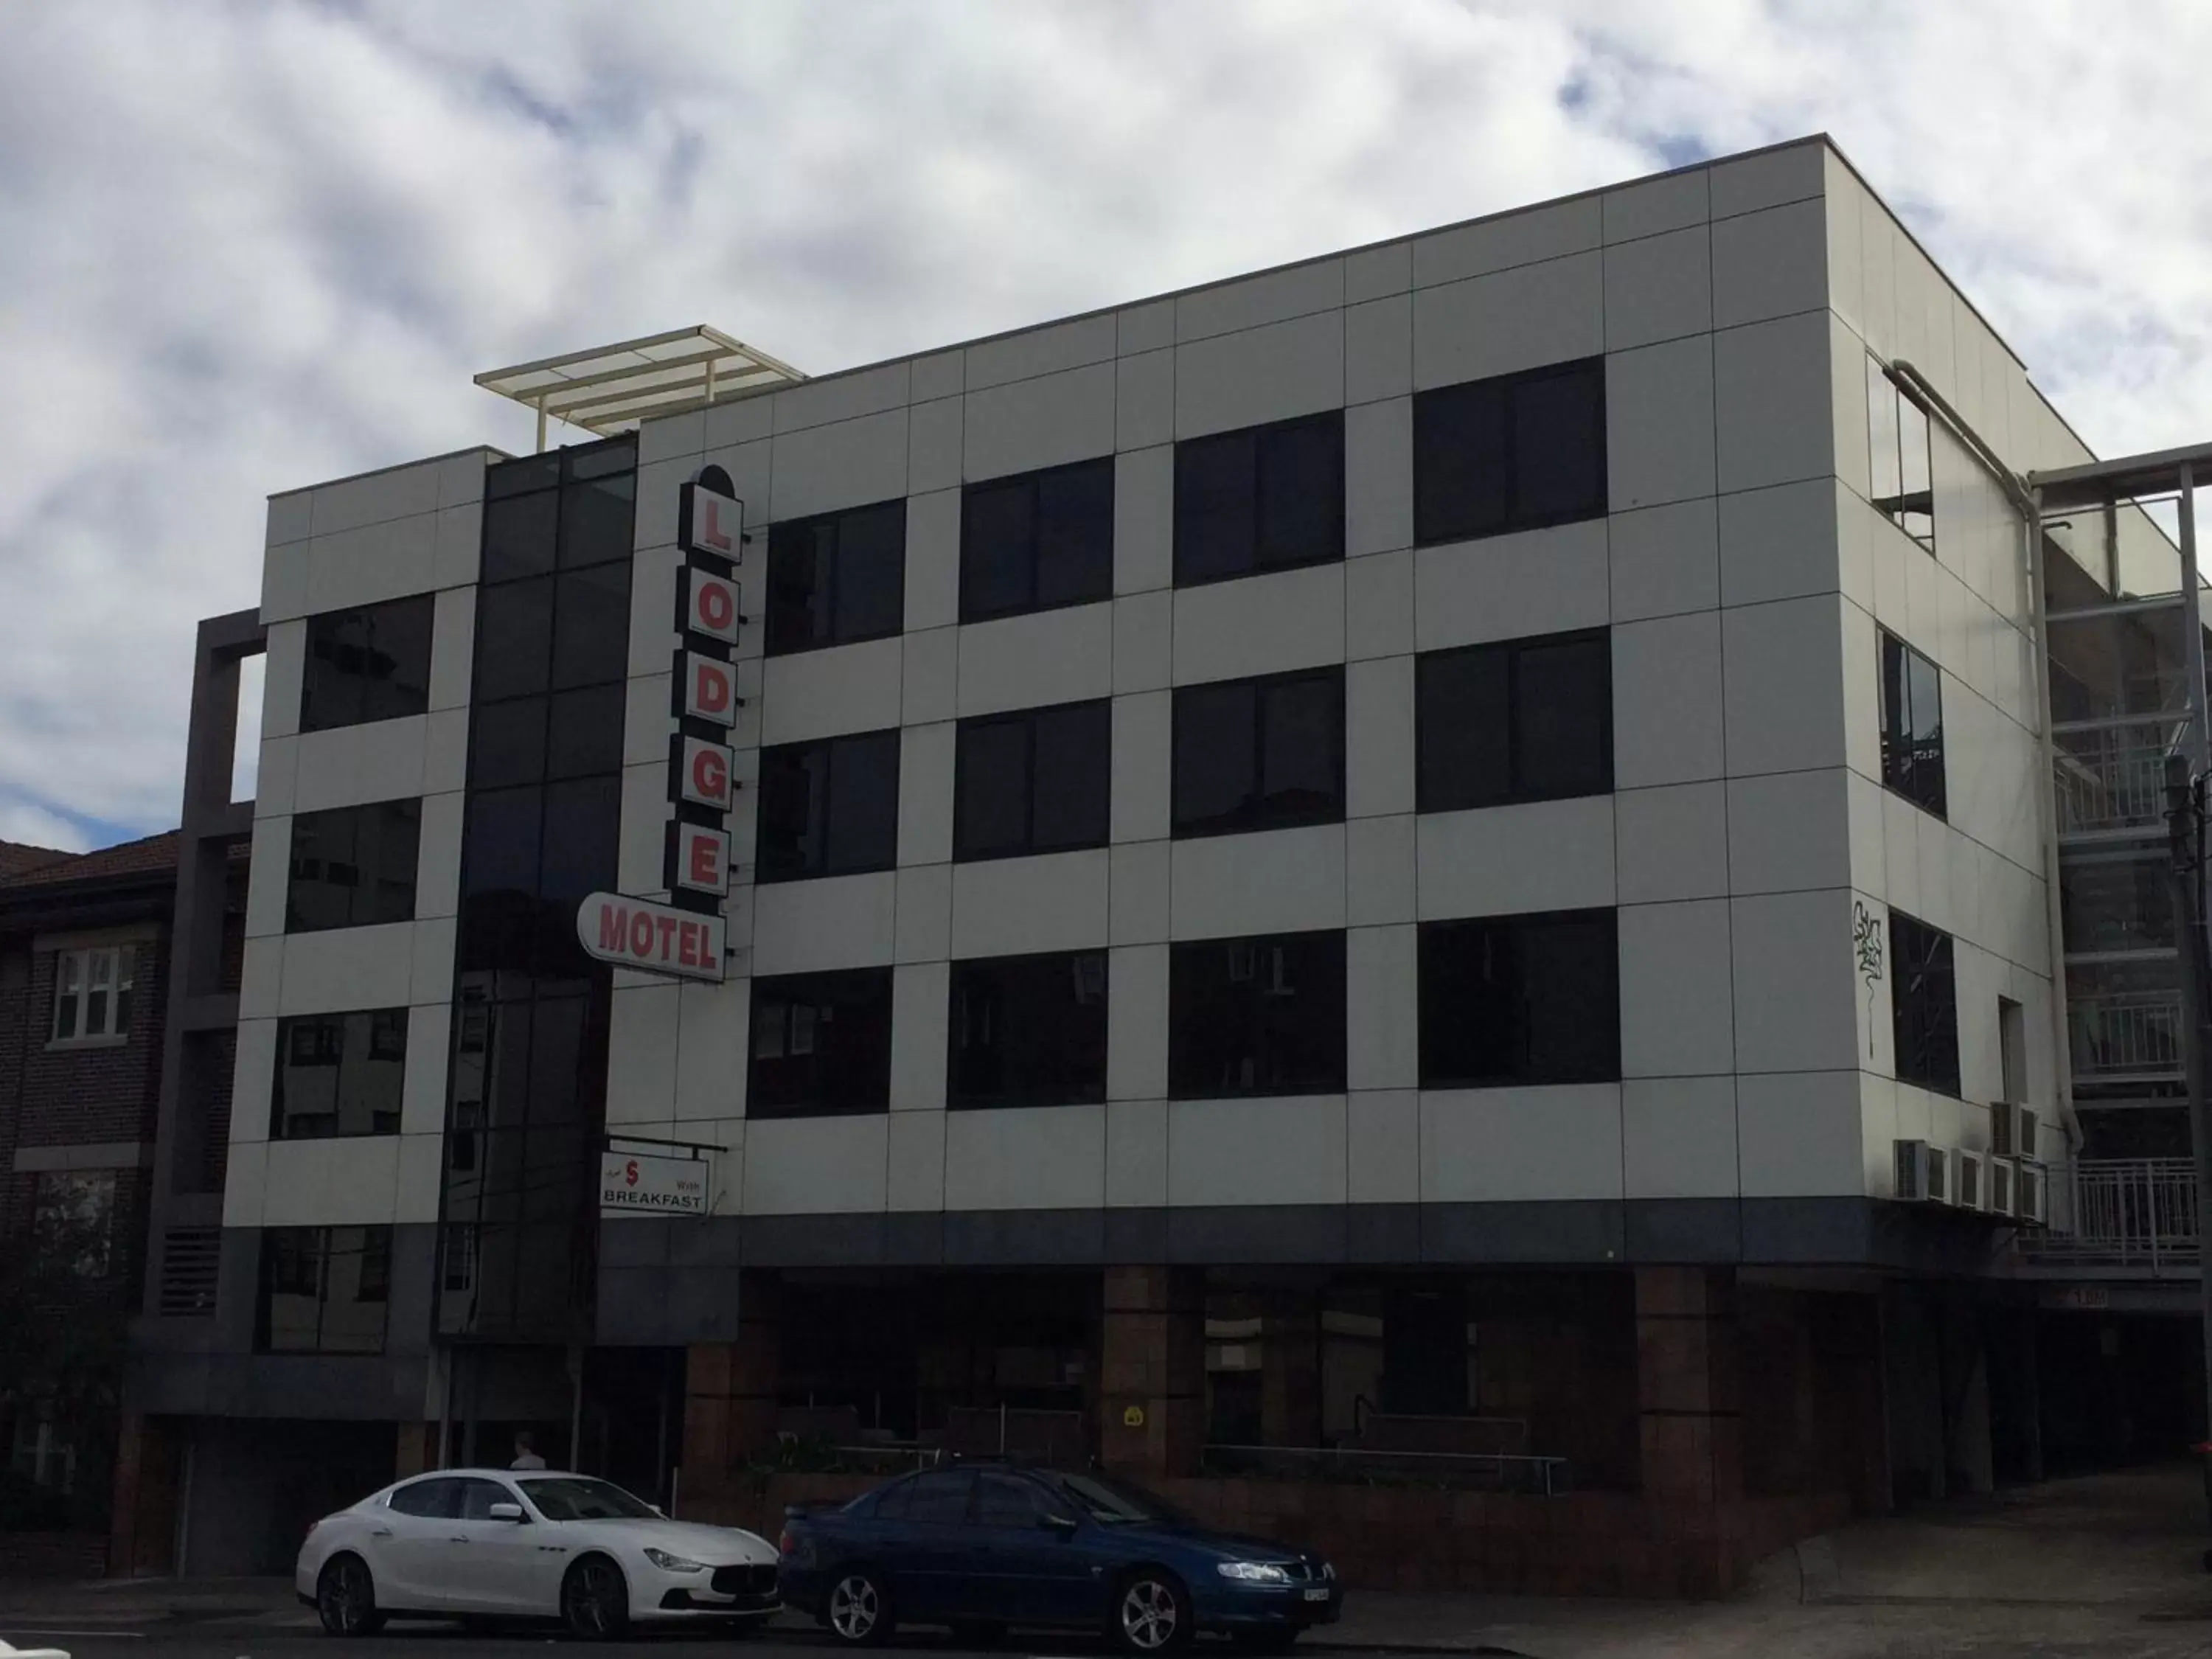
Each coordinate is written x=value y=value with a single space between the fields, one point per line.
x=595 y=1600
x=978 y=1633
x=1152 y=1614
x=860 y=1610
x=345 y=1597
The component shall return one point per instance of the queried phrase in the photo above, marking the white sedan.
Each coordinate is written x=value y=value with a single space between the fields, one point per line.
x=492 y=1543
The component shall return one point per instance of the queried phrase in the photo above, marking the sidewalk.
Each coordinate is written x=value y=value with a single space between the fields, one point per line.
x=2106 y=1565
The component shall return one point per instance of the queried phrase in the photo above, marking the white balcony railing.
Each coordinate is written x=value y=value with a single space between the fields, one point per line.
x=2128 y=1213
x=2110 y=779
x=2129 y=1033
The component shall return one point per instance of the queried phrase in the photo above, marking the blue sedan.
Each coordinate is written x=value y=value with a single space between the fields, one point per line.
x=984 y=1547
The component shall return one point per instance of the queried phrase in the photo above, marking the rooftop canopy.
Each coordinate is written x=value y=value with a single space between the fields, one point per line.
x=612 y=388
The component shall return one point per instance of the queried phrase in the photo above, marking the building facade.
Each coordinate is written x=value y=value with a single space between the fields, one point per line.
x=86 y=961
x=1392 y=859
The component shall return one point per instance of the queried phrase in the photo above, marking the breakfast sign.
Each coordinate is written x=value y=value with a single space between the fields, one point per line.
x=686 y=936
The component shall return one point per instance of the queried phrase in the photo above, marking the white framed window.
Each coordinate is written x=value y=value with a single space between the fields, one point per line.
x=92 y=993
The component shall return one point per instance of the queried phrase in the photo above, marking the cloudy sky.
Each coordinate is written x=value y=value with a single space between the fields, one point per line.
x=247 y=246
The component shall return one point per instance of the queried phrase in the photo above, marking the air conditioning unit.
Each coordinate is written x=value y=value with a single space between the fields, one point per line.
x=1966 y=1179
x=1912 y=1169
x=2001 y=1180
x=2031 y=1193
x=1923 y=1172
x=2012 y=1130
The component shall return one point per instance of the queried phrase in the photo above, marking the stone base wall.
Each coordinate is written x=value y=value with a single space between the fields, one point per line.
x=1392 y=1538
x=53 y=1555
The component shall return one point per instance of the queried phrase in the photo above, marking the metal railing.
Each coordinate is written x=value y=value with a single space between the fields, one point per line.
x=2135 y=1034
x=2110 y=779
x=1484 y=1471
x=2128 y=1213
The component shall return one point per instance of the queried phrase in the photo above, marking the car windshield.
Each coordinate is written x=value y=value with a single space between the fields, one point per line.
x=571 y=1497
x=1115 y=1503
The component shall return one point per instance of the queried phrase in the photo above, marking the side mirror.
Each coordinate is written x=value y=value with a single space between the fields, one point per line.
x=504 y=1512
x=1061 y=1526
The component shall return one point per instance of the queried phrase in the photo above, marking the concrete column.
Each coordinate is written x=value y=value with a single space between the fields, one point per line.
x=1152 y=1390
x=1688 y=1410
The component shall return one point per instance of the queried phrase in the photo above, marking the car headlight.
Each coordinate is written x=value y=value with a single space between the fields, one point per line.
x=1253 y=1572
x=668 y=1563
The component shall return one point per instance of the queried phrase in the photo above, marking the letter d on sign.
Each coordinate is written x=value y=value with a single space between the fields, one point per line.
x=710 y=691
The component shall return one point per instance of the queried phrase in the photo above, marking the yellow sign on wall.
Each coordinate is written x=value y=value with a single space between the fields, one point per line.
x=1132 y=1417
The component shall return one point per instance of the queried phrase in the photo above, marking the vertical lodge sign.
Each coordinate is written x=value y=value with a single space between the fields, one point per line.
x=686 y=936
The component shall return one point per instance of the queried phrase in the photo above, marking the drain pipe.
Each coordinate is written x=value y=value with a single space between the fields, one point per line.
x=2027 y=502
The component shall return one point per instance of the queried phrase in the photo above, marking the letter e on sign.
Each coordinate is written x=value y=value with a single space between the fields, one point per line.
x=702 y=858
x=706 y=778
x=710 y=690
x=711 y=607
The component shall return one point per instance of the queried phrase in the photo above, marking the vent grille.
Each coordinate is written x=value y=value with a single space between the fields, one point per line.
x=191 y=1259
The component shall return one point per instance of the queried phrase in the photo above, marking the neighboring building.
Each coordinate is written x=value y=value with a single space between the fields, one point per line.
x=85 y=964
x=1392 y=858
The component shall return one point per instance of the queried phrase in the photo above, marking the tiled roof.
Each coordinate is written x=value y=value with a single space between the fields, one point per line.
x=133 y=858
x=16 y=857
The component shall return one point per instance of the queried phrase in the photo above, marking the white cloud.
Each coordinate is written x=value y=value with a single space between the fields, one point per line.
x=249 y=247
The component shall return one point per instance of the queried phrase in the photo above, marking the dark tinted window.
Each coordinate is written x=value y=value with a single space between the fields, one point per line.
x=1033 y=781
x=938 y=1497
x=590 y=626
x=1029 y=1031
x=338 y=1074
x=323 y=1289
x=514 y=639
x=1525 y=719
x=1266 y=498
x=1259 y=754
x=1037 y=541
x=837 y=578
x=1923 y=1004
x=1256 y=1016
x=1003 y=1501
x=353 y=867
x=596 y=515
x=1513 y=453
x=478 y=1495
x=828 y=808
x=1530 y=998
x=1898 y=453
x=1912 y=725
x=437 y=1499
x=821 y=1044
x=369 y=664
x=518 y=532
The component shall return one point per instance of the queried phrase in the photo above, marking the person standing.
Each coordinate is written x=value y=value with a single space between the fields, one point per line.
x=525 y=1452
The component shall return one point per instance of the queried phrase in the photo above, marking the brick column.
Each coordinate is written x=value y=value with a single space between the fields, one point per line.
x=1153 y=1369
x=1290 y=1378
x=1691 y=1429
x=729 y=1390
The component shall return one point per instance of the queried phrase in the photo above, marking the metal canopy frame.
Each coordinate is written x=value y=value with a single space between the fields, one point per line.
x=611 y=389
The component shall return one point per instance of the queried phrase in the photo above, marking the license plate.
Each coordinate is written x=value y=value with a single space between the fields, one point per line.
x=1316 y=1595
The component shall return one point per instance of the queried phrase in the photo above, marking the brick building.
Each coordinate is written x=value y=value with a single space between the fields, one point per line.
x=84 y=975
